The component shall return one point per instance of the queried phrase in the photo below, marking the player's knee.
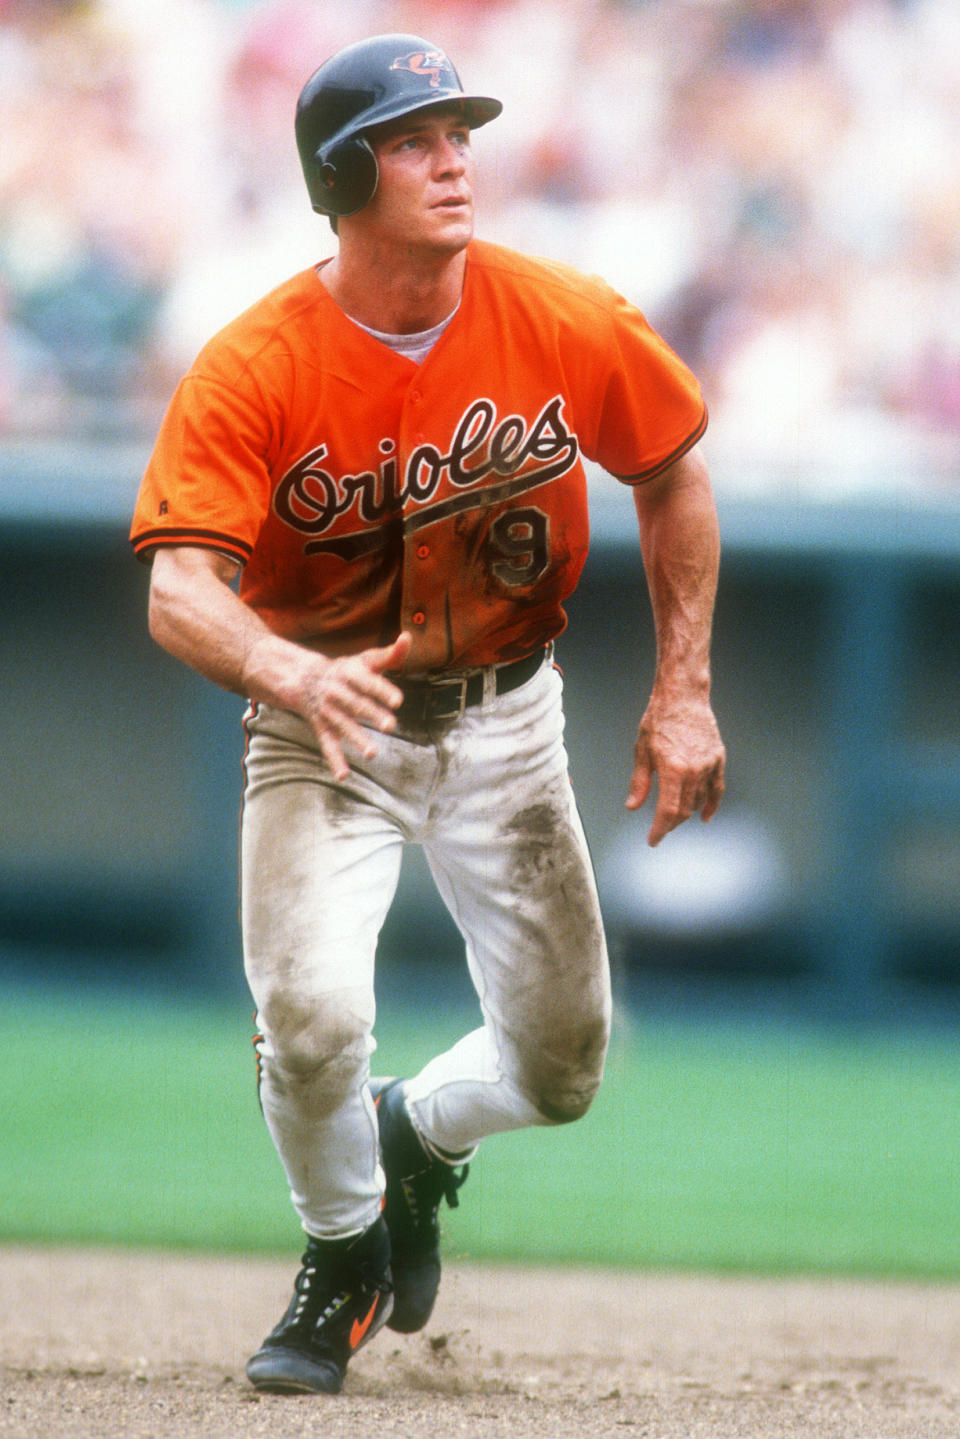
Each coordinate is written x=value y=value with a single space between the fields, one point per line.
x=567 y=1105
x=571 y=1108
x=320 y=1041
x=564 y=1080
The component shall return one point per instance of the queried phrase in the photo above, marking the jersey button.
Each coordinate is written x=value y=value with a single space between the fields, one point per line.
x=422 y=551
x=418 y=617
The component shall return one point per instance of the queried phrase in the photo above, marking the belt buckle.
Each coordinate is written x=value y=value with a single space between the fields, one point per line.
x=435 y=699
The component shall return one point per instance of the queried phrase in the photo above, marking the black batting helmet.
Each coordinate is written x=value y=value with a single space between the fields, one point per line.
x=364 y=85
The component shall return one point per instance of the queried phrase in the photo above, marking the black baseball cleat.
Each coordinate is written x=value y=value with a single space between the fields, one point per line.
x=416 y=1183
x=341 y=1298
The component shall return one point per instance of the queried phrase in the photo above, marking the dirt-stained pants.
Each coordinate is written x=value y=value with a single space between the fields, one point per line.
x=489 y=798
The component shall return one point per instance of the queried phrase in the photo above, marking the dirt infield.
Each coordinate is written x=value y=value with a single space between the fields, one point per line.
x=99 y=1345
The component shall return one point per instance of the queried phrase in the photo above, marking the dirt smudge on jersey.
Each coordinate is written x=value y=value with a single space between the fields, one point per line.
x=540 y=844
x=560 y=1015
x=339 y=804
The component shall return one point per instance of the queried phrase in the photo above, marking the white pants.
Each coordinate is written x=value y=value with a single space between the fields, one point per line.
x=489 y=798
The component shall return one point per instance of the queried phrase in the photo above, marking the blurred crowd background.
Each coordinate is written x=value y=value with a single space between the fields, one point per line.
x=774 y=182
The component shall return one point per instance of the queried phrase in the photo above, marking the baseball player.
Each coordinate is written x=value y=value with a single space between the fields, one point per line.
x=387 y=449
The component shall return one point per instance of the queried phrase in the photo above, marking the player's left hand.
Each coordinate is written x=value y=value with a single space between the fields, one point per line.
x=679 y=742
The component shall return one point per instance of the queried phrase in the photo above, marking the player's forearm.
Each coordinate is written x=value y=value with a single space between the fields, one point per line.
x=197 y=618
x=680 y=540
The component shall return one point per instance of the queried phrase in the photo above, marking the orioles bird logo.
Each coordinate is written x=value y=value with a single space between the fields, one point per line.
x=424 y=62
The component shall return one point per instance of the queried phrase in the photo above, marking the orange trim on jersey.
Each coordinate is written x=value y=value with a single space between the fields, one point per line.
x=671 y=459
x=202 y=539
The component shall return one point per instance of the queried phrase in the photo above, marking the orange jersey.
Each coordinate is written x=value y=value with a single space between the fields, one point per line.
x=364 y=494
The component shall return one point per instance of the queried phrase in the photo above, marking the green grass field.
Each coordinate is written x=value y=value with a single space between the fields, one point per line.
x=135 y=1121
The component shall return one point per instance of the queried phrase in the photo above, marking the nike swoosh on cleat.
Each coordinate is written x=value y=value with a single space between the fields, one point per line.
x=360 y=1326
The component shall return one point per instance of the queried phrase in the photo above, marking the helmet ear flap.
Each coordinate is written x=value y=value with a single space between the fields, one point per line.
x=345 y=177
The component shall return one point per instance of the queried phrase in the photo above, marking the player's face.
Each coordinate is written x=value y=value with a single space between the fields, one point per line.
x=425 y=194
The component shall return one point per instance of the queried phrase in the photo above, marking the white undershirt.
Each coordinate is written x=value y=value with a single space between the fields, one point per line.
x=416 y=347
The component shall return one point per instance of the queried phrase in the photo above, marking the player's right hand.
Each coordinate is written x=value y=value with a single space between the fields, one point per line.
x=343 y=699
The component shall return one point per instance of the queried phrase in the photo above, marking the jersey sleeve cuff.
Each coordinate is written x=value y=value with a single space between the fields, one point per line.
x=146 y=542
x=649 y=474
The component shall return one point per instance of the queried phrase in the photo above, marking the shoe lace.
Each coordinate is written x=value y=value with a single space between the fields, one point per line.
x=316 y=1298
x=424 y=1191
x=313 y=1298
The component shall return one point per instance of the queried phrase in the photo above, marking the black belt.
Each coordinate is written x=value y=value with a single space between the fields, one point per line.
x=446 y=699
